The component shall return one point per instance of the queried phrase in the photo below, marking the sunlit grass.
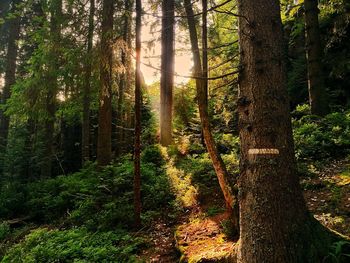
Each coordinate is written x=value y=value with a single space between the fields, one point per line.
x=180 y=181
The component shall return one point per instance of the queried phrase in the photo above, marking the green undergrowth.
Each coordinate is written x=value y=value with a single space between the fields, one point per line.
x=339 y=252
x=74 y=245
x=88 y=216
x=82 y=217
x=319 y=138
x=195 y=179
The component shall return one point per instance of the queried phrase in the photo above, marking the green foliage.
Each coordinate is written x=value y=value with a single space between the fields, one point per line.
x=16 y=157
x=336 y=195
x=298 y=29
x=74 y=245
x=303 y=170
x=320 y=138
x=231 y=161
x=228 y=229
x=98 y=199
x=334 y=29
x=227 y=143
x=4 y=230
x=196 y=148
x=201 y=168
x=94 y=204
x=340 y=252
x=152 y=154
x=12 y=199
x=184 y=107
x=297 y=80
x=148 y=121
x=214 y=210
x=155 y=188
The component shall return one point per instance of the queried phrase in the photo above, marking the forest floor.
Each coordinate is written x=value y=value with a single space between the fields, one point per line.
x=327 y=194
x=202 y=231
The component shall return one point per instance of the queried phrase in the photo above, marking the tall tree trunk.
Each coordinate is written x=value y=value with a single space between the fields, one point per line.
x=205 y=45
x=218 y=164
x=4 y=8
x=52 y=88
x=10 y=71
x=274 y=223
x=317 y=89
x=167 y=72
x=124 y=83
x=205 y=53
x=137 y=150
x=87 y=88
x=104 y=144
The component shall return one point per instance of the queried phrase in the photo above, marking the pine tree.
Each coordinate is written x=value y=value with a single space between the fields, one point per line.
x=104 y=144
x=137 y=145
x=317 y=87
x=167 y=72
x=87 y=87
x=275 y=225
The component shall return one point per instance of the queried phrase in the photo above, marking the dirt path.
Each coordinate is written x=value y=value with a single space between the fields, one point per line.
x=162 y=248
x=200 y=236
x=204 y=239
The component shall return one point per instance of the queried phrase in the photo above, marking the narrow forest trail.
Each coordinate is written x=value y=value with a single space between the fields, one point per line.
x=196 y=237
x=200 y=232
x=162 y=248
x=204 y=239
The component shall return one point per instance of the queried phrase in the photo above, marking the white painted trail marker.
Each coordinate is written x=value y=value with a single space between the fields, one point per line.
x=263 y=151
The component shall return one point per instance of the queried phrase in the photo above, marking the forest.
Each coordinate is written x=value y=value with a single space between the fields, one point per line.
x=175 y=131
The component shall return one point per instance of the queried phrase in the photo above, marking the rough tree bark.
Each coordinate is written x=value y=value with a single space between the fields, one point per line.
x=10 y=71
x=104 y=140
x=124 y=83
x=137 y=150
x=318 y=98
x=218 y=164
x=205 y=53
x=87 y=87
x=275 y=225
x=4 y=8
x=167 y=72
x=205 y=46
x=52 y=88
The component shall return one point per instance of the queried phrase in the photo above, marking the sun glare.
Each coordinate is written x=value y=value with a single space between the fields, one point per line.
x=151 y=54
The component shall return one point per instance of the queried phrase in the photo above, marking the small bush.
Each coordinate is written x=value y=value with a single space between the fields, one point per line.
x=12 y=198
x=152 y=154
x=4 y=231
x=228 y=229
x=201 y=169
